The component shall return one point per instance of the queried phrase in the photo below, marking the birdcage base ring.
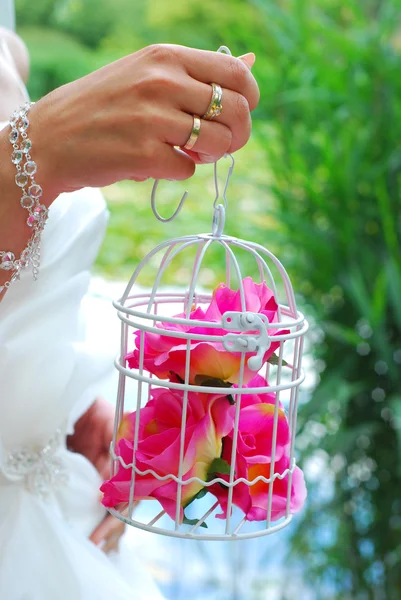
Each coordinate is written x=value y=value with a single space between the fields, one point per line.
x=198 y=536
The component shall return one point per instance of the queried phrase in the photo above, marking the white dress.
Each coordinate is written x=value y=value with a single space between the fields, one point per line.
x=49 y=497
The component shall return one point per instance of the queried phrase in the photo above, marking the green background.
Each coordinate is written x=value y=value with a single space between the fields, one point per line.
x=319 y=184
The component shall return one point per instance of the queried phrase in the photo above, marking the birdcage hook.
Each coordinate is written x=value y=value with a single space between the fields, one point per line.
x=153 y=204
x=220 y=208
x=218 y=216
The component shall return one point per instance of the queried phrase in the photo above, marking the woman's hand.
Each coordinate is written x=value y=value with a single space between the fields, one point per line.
x=126 y=120
x=92 y=435
x=107 y=535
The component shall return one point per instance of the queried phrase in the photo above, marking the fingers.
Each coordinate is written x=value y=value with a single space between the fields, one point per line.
x=111 y=545
x=235 y=116
x=170 y=163
x=248 y=59
x=207 y=67
x=107 y=535
x=101 y=531
x=177 y=86
x=103 y=464
x=214 y=140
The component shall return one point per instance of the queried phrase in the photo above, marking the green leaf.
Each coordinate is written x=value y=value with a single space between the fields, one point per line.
x=202 y=492
x=341 y=333
x=395 y=404
x=274 y=360
x=205 y=380
x=359 y=292
x=394 y=279
x=187 y=521
x=379 y=299
x=218 y=466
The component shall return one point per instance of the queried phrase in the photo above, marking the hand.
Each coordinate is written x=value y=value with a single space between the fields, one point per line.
x=92 y=435
x=107 y=535
x=126 y=120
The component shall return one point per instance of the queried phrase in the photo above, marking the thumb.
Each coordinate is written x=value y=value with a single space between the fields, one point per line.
x=248 y=59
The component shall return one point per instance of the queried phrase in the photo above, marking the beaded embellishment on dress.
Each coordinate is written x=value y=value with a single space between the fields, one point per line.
x=40 y=469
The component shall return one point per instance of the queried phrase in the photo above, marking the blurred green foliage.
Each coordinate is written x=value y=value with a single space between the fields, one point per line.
x=320 y=185
x=334 y=148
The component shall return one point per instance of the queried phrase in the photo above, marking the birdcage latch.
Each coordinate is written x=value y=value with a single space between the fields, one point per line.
x=257 y=340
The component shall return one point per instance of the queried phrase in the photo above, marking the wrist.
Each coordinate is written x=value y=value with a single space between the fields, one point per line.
x=20 y=193
x=10 y=192
x=43 y=153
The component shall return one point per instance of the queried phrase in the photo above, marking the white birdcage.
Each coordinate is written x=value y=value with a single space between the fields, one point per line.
x=178 y=332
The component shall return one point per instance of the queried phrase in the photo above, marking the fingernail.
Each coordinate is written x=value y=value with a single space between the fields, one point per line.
x=248 y=59
x=207 y=159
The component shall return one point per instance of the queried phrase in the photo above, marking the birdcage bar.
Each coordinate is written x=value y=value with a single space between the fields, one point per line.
x=239 y=526
x=155 y=312
x=168 y=256
x=256 y=255
x=182 y=435
x=274 y=439
x=128 y=517
x=157 y=518
x=190 y=296
x=190 y=480
x=293 y=418
x=194 y=323
x=287 y=284
x=167 y=297
x=208 y=536
x=203 y=518
x=209 y=324
x=119 y=410
x=237 y=271
x=137 y=423
x=235 y=441
x=207 y=389
x=147 y=258
x=166 y=264
x=281 y=270
x=228 y=269
x=296 y=368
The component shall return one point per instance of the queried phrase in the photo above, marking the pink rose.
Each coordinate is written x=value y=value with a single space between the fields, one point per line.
x=253 y=458
x=165 y=356
x=253 y=500
x=209 y=419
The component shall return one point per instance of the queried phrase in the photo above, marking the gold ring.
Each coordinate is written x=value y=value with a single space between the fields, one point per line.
x=194 y=133
x=215 y=107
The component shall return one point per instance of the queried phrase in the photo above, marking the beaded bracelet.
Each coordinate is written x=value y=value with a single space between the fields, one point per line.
x=30 y=199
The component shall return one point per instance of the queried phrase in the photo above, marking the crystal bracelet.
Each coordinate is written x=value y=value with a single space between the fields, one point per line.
x=30 y=199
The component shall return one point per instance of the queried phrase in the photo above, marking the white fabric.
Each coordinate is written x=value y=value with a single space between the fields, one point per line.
x=47 y=374
x=7 y=14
